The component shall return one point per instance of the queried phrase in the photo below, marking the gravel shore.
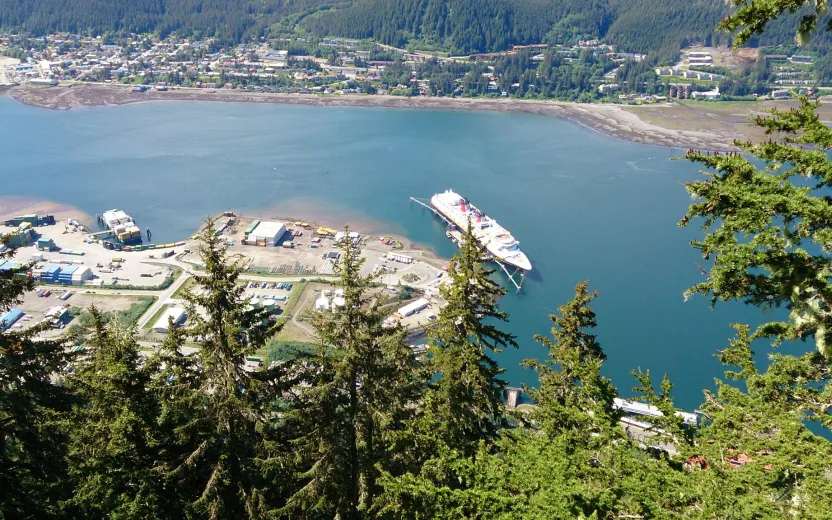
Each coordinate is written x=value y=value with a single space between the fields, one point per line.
x=615 y=121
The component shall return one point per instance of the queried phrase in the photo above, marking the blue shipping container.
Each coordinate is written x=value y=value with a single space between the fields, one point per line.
x=9 y=318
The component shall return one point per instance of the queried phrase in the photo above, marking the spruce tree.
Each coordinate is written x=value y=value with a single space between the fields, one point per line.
x=363 y=385
x=768 y=231
x=32 y=444
x=177 y=383
x=466 y=399
x=230 y=460
x=112 y=449
x=573 y=396
x=572 y=460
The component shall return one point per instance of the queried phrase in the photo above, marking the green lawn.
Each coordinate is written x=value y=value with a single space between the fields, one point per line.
x=156 y=316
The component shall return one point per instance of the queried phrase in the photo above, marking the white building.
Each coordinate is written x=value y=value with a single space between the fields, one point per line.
x=81 y=275
x=116 y=217
x=413 y=307
x=55 y=316
x=176 y=313
x=329 y=300
x=340 y=235
x=267 y=233
x=711 y=94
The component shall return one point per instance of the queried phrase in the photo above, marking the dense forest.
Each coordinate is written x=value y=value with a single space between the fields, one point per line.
x=458 y=26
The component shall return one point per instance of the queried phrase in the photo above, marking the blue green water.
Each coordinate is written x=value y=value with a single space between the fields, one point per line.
x=582 y=205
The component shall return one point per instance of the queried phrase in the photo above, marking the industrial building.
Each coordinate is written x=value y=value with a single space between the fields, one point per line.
x=22 y=236
x=55 y=316
x=33 y=219
x=413 y=307
x=81 y=275
x=10 y=318
x=340 y=236
x=45 y=244
x=74 y=275
x=8 y=266
x=266 y=234
x=176 y=314
x=50 y=273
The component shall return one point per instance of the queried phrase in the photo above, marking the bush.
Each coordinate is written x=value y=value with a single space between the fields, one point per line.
x=282 y=350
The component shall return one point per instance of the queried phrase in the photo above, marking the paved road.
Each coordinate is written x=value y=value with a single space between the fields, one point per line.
x=163 y=298
x=298 y=308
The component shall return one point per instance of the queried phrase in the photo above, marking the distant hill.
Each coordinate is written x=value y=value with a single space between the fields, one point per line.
x=660 y=27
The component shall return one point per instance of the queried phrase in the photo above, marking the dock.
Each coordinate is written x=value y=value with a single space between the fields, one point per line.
x=513 y=395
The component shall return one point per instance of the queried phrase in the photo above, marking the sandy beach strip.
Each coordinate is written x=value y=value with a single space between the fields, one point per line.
x=12 y=206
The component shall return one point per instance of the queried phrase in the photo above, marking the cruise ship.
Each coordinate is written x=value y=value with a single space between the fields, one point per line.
x=492 y=236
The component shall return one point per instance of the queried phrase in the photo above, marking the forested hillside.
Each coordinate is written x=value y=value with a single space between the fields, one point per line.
x=460 y=26
x=229 y=20
x=467 y=25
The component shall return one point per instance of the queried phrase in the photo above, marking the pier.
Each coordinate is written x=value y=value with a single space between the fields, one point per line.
x=513 y=397
x=516 y=277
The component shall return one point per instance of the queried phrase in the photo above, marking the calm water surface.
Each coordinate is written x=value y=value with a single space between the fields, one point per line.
x=583 y=206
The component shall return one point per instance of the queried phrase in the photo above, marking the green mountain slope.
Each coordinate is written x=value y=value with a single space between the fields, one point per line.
x=460 y=26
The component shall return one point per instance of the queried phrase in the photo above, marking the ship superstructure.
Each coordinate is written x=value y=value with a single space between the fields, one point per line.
x=493 y=237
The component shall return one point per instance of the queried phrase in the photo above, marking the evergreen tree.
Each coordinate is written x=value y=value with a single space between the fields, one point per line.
x=31 y=440
x=582 y=466
x=768 y=230
x=112 y=450
x=363 y=385
x=573 y=396
x=754 y=456
x=752 y=17
x=231 y=461
x=177 y=383
x=466 y=400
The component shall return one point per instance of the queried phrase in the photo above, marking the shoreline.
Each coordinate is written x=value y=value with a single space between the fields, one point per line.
x=615 y=121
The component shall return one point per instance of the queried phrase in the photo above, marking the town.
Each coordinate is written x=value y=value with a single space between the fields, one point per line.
x=339 y=66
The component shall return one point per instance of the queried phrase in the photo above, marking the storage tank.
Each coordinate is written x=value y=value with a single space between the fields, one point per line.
x=254 y=302
x=269 y=304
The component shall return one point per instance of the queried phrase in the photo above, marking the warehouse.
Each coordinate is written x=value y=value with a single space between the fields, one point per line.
x=56 y=316
x=8 y=319
x=65 y=276
x=413 y=307
x=8 y=266
x=81 y=275
x=176 y=314
x=267 y=234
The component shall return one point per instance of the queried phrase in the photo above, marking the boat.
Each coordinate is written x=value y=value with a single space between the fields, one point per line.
x=122 y=225
x=495 y=239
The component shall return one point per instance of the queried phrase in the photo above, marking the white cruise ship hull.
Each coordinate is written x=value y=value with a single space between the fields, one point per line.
x=492 y=241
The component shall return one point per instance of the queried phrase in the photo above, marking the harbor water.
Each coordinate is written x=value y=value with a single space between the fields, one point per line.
x=583 y=206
